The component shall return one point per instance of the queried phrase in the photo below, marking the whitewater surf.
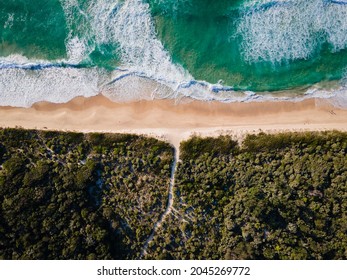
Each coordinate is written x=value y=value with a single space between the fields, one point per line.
x=131 y=50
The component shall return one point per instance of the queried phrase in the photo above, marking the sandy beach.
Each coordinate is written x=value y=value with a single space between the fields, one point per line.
x=175 y=122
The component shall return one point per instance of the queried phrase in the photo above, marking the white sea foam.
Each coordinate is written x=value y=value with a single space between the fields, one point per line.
x=79 y=40
x=146 y=70
x=76 y=50
x=134 y=88
x=9 y=22
x=335 y=25
x=288 y=30
x=130 y=25
x=339 y=98
x=22 y=88
x=126 y=24
x=14 y=58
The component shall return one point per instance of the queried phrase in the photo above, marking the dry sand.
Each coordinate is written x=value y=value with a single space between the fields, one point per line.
x=174 y=122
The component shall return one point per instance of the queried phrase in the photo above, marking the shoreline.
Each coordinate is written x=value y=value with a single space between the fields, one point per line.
x=175 y=122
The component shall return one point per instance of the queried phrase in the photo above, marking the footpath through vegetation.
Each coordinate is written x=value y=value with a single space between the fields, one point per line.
x=119 y=196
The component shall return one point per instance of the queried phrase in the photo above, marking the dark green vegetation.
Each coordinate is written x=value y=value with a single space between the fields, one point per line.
x=97 y=196
x=75 y=196
x=276 y=197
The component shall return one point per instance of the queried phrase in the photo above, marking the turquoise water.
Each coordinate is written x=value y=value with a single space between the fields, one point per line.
x=204 y=37
x=36 y=29
x=54 y=50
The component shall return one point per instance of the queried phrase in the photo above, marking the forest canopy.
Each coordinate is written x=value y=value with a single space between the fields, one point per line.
x=79 y=196
x=280 y=196
x=66 y=195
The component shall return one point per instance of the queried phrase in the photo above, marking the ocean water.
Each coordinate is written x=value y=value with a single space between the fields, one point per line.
x=226 y=50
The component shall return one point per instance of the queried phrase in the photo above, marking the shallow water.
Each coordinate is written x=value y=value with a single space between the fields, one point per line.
x=225 y=50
